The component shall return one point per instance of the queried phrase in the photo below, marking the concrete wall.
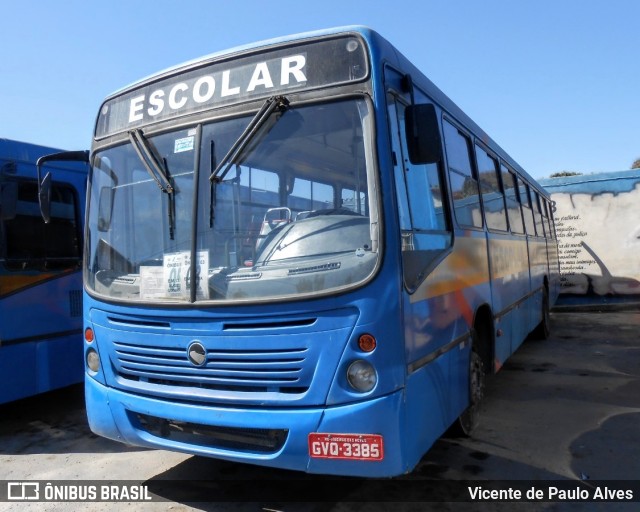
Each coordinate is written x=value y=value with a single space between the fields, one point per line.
x=598 y=225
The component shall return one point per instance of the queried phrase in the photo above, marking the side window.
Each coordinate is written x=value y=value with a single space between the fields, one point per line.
x=545 y=217
x=513 y=202
x=464 y=184
x=491 y=188
x=549 y=217
x=311 y=195
x=425 y=197
x=424 y=223
x=33 y=245
x=540 y=227
x=354 y=201
x=527 y=211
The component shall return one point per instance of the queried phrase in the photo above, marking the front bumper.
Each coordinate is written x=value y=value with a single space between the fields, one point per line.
x=276 y=437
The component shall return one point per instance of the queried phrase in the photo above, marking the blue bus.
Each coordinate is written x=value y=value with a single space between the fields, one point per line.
x=40 y=274
x=302 y=254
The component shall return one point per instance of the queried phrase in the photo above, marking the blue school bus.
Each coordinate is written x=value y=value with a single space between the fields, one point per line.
x=301 y=254
x=40 y=274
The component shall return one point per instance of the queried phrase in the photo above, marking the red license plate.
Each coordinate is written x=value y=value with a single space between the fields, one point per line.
x=346 y=446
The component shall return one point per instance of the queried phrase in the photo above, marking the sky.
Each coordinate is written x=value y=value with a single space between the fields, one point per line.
x=555 y=82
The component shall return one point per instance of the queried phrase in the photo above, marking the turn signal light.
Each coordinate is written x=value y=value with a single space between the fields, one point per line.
x=88 y=335
x=367 y=343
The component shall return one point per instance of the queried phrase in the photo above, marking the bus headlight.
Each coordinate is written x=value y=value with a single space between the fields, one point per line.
x=93 y=360
x=362 y=376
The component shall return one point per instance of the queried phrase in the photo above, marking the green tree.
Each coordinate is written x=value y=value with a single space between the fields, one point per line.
x=636 y=164
x=564 y=174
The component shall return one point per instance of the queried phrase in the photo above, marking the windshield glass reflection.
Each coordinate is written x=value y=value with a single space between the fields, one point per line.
x=293 y=214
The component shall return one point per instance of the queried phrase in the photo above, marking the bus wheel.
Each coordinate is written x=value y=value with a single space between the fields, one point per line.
x=468 y=420
x=542 y=330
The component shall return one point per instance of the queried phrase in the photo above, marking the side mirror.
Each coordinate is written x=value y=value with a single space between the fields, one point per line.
x=44 y=184
x=422 y=129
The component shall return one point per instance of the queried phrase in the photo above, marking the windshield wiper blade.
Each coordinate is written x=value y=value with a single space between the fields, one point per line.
x=158 y=171
x=148 y=159
x=279 y=103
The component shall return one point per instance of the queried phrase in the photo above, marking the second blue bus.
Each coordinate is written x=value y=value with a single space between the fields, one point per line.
x=40 y=274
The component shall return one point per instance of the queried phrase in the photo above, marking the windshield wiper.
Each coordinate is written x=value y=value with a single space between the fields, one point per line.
x=154 y=168
x=220 y=169
x=158 y=171
x=279 y=103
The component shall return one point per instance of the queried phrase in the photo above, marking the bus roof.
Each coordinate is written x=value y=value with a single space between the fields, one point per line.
x=28 y=153
x=23 y=151
x=241 y=49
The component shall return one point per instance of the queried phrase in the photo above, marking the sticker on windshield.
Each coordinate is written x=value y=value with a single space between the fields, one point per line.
x=184 y=144
x=151 y=282
x=173 y=279
x=175 y=267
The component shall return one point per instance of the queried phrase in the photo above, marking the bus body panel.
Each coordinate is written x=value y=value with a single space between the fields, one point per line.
x=34 y=367
x=50 y=318
x=538 y=257
x=45 y=352
x=435 y=394
x=439 y=315
x=511 y=285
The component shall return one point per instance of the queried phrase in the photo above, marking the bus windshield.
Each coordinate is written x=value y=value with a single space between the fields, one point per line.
x=294 y=213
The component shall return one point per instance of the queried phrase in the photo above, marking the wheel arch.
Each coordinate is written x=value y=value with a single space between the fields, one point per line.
x=484 y=336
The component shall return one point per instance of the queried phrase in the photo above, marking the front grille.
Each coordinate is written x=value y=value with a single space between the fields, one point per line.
x=249 y=370
x=243 y=439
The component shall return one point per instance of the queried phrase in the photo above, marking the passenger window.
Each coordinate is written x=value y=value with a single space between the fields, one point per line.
x=527 y=211
x=513 y=203
x=262 y=186
x=354 y=201
x=311 y=195
x=548 y=218
x=491 y=188
x=464 y=185
x=538 y=214
x=33 y=245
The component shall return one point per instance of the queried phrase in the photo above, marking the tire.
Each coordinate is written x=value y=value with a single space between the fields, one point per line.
x=543 y=330
x=468 y=420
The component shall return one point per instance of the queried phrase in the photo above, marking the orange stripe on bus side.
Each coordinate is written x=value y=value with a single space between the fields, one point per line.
x=9 y=284
x=467 y=266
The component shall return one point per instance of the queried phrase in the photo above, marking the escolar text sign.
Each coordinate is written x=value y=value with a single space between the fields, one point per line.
x=225 y=81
